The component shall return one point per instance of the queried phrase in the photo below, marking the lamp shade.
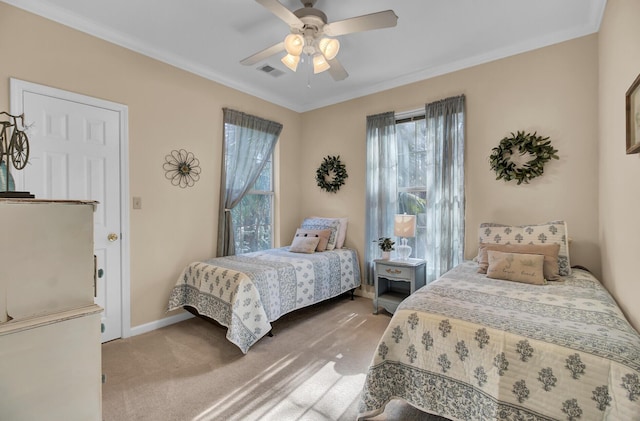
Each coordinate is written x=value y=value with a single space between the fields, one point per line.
x=294 y=43
x=404 y=225
x=291 y=61
x=320 y=63
x=329 y=47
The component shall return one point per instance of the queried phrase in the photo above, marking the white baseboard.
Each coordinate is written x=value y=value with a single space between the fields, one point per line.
x=148 y=327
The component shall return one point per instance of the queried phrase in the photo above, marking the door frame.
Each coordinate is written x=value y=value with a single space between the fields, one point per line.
x=17 y=88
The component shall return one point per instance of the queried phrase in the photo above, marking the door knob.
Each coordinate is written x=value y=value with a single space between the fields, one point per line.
x=112 y=237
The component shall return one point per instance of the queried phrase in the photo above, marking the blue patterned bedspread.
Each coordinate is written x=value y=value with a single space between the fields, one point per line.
x=467 y=347
x=248 y=291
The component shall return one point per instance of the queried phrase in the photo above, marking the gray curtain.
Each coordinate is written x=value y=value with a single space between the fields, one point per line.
x=381 y=196
x=445 y=127
x=248 y=144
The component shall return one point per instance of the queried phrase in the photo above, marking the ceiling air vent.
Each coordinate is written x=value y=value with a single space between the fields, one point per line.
x=271 y=70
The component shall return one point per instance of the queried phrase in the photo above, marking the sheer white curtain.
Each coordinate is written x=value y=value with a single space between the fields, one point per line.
x=443 y=243
x=381 y=194
x=248 y=144
x=445 y=131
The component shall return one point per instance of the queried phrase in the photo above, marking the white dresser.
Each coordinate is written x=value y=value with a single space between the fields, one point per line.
x=50 y=345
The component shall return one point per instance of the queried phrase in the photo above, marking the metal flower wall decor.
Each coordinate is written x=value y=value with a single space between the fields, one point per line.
x=182 y=168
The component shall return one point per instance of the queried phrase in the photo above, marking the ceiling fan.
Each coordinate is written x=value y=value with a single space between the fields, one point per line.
x=310 y=34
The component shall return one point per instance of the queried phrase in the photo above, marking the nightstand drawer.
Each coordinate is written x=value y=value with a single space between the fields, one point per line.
x=395 y=272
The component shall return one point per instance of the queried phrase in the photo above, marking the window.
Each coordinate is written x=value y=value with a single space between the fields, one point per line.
x=415 y=164
x=412 y=177
x=247 y=170
x=253 y=216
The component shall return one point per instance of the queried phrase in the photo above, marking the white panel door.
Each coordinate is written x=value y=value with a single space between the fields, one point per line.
x=75 y=154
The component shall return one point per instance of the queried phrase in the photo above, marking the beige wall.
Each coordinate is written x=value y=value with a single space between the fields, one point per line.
x=168 y=109
x=552 y=91
x=619 y=202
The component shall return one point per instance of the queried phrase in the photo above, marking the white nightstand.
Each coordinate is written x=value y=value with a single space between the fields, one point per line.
x=395 y=280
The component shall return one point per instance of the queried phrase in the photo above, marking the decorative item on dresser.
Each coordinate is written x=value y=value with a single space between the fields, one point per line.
x=395 y=280
x=50 y=344
x=14 y=150
x=6 y=179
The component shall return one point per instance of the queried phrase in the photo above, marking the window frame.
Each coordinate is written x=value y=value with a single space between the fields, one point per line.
x=254 y=192
x=402 y=118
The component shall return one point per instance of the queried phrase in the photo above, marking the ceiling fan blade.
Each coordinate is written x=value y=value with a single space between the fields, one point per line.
x=386 y=19
x=267 y=52
x=275 y=7
x=336 y=70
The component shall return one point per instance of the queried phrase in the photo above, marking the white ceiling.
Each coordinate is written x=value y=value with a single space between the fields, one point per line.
x=433 y=37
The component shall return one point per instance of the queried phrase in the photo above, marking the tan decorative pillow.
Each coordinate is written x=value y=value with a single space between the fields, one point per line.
x=549 y=251
x=322 y=234
x=548 y=233
x=304 y=244
x=525 y=268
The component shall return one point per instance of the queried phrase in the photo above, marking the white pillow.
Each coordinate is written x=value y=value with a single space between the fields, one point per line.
x=321 y=224
x=342 y=230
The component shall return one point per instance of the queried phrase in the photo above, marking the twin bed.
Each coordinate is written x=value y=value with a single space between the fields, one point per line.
x=246 y=292
x=476 y=346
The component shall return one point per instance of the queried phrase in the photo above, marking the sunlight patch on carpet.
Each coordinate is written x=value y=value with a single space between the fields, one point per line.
x=315 y=393
x=325 y=395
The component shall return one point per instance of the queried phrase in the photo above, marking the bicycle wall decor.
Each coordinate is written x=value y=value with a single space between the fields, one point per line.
x=14 y=150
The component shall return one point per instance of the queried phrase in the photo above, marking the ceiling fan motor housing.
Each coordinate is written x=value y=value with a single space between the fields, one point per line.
x=311 y=16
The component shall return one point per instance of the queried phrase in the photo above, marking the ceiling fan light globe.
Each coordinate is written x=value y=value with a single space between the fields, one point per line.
x=294 y=43
x=320 y=64
x=291 y=61
x=329 y=47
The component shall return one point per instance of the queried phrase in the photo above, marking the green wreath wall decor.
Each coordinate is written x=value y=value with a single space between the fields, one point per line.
x=537 y=146
x=331 y=174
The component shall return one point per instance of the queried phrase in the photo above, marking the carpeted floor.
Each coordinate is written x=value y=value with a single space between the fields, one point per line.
x=313 y=368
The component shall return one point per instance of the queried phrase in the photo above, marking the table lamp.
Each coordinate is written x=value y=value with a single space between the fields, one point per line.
x=404 y=226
